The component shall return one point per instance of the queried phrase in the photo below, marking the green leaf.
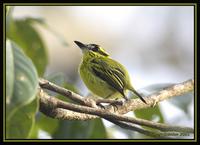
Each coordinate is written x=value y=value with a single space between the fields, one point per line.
x=97 y=129
x=21 y=77
x=20 y=124
x=25 y=35
x=46 y=123
x=34 y=131
x=80 y=130
x=153 y=114
x=71 y=130
x=7 y=9
x=21 y=83
x=9 y=72
x=9 y=20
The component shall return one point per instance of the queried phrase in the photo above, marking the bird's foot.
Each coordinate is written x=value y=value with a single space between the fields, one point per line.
x=89 y=101
x=100 y=105
x=117 y=103
x=126 y=99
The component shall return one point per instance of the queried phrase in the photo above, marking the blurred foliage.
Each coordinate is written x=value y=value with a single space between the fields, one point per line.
x=93 y=129
x=59 y=79
x=24 y=34
x=182 y=101
x=19 y=125
x=153 y=114
x=26 y=59
x=21 y=78
x=44 y=123
x=7 y=9
x=42 y=22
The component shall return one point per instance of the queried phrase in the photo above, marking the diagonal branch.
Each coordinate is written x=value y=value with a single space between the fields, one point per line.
x=155 y=98
x=53 y=87
x=48 y=107
x=52 y=102
x=88 y=109
x=131 y=105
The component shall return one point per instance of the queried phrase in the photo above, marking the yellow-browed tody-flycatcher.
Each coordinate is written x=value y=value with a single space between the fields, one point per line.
x=102 y=75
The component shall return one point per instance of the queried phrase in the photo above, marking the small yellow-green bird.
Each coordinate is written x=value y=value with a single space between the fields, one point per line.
x=102 y=75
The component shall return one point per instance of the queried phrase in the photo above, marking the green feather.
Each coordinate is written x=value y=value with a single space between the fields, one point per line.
x=109 y=74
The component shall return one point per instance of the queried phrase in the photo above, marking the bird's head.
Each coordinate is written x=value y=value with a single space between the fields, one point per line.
x=92 y=48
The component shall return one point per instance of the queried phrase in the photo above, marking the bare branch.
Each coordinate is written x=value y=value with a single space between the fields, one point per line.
x=153 y=133
x=47 y=106
x=55 y=103
x=56 y=108
x=131 y=105
x=132 y=127
x=53 y=87
x=152 y=100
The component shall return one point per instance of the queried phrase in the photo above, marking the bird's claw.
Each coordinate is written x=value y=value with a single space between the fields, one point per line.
x=101 y=106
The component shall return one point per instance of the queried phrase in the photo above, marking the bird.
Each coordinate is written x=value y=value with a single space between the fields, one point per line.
x=103 y=76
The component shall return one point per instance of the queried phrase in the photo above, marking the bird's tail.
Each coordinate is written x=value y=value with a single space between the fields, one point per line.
x=135 y=92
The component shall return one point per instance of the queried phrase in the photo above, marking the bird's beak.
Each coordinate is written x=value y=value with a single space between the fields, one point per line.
x=81 y=45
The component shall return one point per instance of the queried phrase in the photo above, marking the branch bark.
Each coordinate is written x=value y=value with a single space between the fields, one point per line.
x=130 y=105
x=56 y=108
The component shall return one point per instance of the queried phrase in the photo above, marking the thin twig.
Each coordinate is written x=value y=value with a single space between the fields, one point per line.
x=132 y=127
x=155 y=98
x=53 y=87
x=151 y=133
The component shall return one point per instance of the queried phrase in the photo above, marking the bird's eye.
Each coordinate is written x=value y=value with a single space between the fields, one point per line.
x=94 y=48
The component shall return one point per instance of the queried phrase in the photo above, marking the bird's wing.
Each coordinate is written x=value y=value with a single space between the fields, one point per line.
x=112 y=75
